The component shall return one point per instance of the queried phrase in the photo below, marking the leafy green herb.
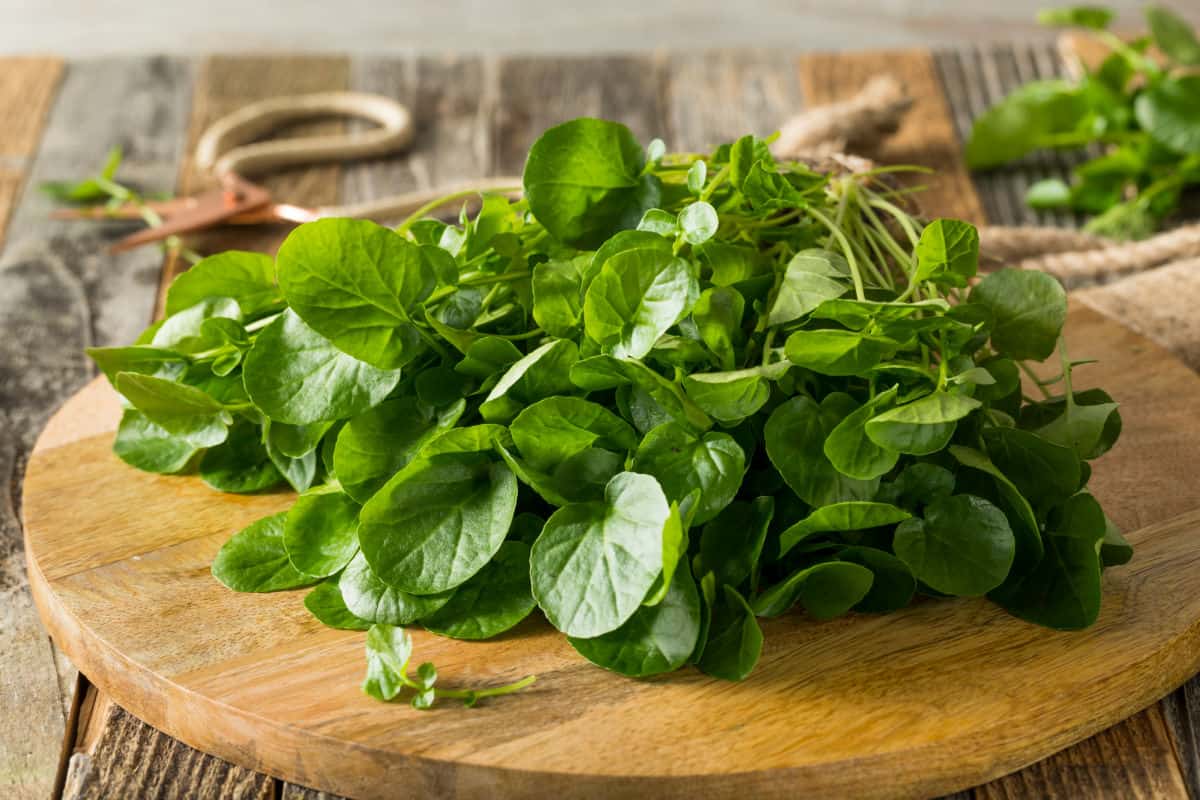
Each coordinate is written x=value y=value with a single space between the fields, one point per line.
x=659 y=397
x=1144 y=111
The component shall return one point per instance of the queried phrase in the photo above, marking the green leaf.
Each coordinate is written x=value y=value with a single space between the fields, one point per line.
x=697 y=174
x=1094 y=17
x=553 y=430
x=558 y=288
x=491 y=602
x=1029 y=309
x=141 y=359
x=923 y=426
x=388 y=652
x=605 y=372
x=656 y=639
x=732 y=542
x=1050 y=193
x=718 y=317
x=855 y=515
x=683 y=461
x=731 y=264
x=544 y=372
x=326 y=604
x=296 y=441
x=812 y=277
x=893 y=585
x=240 y=464
x=795 y=440
x=249 y=278
x=1091 y=429
x=584 y=181
x=729 y=397
x=1173 y=35
x=1063 y=591
x=1044 y=472
x=825 y=590
x=1170 y=112
x=1021 y=122
x=295 y=375
x=1028 y=531
x=321 y=532
x=948 y=252
x=357 y=284
x=837 y=352
x=255 y=560
x=369 y=598
x=635 y=298
x=699 y=222
x=854 y=453
x=438 y=521
x=734 y=639
x=182 y=411
x=963 y=546
x=657 y=221
x=142 y=444
x=595 y=562
x=376 y=444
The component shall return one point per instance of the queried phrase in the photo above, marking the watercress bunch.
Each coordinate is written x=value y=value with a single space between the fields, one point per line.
x=659 y=398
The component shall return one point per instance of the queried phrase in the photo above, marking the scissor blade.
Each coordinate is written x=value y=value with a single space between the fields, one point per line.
x=202 y=211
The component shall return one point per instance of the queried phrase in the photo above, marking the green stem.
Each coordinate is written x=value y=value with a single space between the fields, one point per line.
x=438 y=202
x=716 y=181
x=1033 y=377
x=847 y=251
x=494 y=691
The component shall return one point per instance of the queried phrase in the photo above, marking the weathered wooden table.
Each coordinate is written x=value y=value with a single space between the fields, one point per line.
x=60 y=292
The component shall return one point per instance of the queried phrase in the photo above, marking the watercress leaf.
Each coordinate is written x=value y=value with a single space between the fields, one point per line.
x=657 y=221
x=373 y=446
x=356 y=283
x=298 y=471
x=142 y=444
x=1044 y=472
x=584 y=181
x=295 y=375
x=182 y=411
x=795 y=437
x=683 y=461
x=1082 y=428
x=326 y=604
x=1063 y=591
x=699 y=222
x=1169 y=110
x=731 y=264
x=718 y=317
x=854 y=515
x=470 y=439
x=1029 y=309
x=1114 y=548
x=893 y=584
x=388 y=651
x=1026 y=528
x=728 y=397
x=491 y=602
x=255 y=560
x=554 y=429
x=369 y=598
x=141 y=359
x=948 y=252
x=812 y=277
x=837 y=352
x=438 y=521
x=544 y=372
x=825 y=590
x=636 y=296
x=296 y=441
x=183 y=331
x=487 y=356
x=595 y=562
x=605 y=372
x=1022 y=121
x=963 y=546
x=732 y=542
x=1050 y=193
x=734 y=640
x=1035 y=416
x=240 y=464
x=320 y=532
x=675 y=546
x=923 y=426
x=1173 y=35
x=854 y=453
x=558 y=288
x=248 y=278
x=656 y=639
x=1094 y=17
x=919 y=483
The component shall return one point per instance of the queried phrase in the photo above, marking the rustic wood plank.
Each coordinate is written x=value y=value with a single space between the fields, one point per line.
x=536 y=93
x=27 y=87
x=926 y=137
x=718 y=96
x=64 y=292
x=225 y=84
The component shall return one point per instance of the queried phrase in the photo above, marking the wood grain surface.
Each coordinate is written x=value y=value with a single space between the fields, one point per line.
x=693 y=101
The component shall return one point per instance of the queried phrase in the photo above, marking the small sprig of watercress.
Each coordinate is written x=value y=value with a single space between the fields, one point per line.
x=1142 y=106
x=662 y=396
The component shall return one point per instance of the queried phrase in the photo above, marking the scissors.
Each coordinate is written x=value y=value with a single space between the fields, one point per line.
x=229 y=150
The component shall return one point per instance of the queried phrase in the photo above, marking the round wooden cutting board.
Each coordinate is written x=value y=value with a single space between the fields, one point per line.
x=939 y=697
